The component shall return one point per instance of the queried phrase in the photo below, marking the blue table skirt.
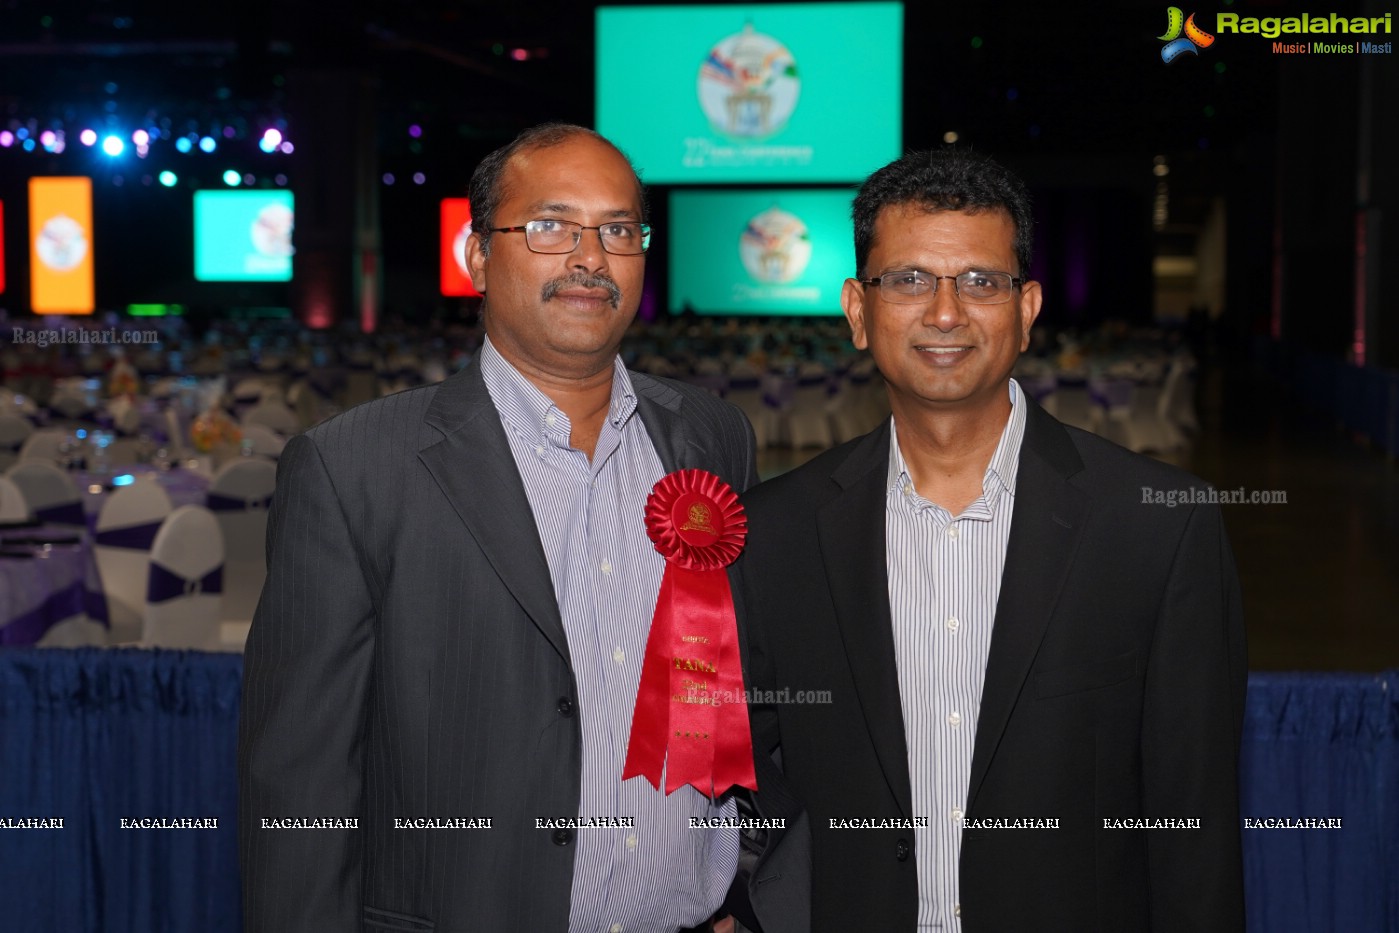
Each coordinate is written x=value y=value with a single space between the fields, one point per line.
x=93 y=736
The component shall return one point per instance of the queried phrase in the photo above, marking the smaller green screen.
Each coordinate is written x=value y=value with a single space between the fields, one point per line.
x=242 y=236
x=760 y=252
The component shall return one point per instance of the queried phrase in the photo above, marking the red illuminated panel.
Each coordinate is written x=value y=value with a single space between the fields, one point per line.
x=456 y=226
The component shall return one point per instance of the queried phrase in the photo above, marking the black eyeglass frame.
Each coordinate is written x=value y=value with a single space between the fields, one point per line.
x=578 y=235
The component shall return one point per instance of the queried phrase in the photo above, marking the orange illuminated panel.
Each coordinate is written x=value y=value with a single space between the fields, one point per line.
x=60 y=246
x=456 y=227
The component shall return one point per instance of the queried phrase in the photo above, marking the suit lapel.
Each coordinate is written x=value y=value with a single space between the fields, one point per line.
x=659 y=408
x=1044 y=534
x=473 y=465
x=851 y=531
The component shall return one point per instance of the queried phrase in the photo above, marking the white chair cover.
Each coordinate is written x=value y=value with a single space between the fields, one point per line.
x=807 y=421
x=45 y=487
x=302 y=399
x=263 y=440
x=1148 y=429
x=274 y=415
x=14 y=431
x=124 y=565
x=1178 y=397
x=239 y=496
x=249 y=390
x=13 y=507
x=750 y=402
x=1072 y=405
x=187 y=552
x=44 y=444
x=126 y=417
x=71 y=406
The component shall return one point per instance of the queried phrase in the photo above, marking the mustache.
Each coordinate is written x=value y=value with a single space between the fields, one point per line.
x=582 y=280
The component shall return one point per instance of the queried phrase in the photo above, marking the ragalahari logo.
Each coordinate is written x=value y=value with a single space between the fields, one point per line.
x=1176 y=44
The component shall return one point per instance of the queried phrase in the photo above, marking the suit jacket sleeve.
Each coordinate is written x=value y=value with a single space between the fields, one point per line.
x=1192 y=721
x=307 y=674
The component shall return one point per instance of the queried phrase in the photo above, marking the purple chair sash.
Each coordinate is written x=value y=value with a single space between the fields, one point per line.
x=63 y=513
x=135 y=537
x=164 y=584
x=28 y=627
x=220 y=503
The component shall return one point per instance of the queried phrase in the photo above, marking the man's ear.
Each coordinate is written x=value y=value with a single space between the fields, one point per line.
x=852 y=302
x=1031 y=296
x=476 y=260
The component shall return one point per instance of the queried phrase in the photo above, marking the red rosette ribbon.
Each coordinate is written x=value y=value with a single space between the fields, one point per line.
x=691 y=721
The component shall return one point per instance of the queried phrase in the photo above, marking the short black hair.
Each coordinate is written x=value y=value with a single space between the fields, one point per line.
x=487 y=188
x=944 y=180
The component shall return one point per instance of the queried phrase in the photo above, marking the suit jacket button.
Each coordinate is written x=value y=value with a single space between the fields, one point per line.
x=563 y=837
x=565 y=706
x=901 y=850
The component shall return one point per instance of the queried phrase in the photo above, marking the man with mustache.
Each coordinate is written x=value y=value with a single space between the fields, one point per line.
x=441 y=674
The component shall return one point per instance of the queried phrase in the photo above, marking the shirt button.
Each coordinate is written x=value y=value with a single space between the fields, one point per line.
x=616 y=928
x=956 y=813
x=953 y=624
x=952 y=531
x=618 y=655
x=606 y=567
x=956 y=910
x=955 y=719
x=631 y=842
x=539 y=450
x=549 y=419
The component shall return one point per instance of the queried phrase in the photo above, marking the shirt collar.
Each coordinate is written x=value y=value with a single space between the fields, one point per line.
x=1000 y=471
x=531 y=413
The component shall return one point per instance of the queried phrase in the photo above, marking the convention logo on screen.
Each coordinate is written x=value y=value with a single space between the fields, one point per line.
x=763 y=251
x=243 y=236
x=748 y=85
x=775 y=247
x=751 y=93
x=61 y=276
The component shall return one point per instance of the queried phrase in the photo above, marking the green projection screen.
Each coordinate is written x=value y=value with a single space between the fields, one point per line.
x=242 y=236
x=801 y=92
x=760 y=251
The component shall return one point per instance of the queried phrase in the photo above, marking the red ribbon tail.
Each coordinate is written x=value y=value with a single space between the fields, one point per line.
x=733 y=752
x=646 y=746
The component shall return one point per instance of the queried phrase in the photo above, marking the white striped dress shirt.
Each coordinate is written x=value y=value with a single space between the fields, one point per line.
x=659 y=875
x=944 y=580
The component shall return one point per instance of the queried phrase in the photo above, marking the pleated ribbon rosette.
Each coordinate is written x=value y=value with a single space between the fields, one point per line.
x=691 y=718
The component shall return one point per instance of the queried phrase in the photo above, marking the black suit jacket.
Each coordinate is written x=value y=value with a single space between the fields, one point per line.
x=408 y=660
x=1114 y=689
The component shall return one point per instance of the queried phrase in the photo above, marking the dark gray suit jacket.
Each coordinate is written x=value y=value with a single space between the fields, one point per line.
x=407 y=660
x=1114 y=689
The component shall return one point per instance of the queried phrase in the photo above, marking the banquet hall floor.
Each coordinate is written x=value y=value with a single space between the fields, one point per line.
x=1320 y=573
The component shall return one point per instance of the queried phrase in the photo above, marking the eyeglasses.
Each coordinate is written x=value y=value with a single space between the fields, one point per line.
x=620 y=238
x=975 y=288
